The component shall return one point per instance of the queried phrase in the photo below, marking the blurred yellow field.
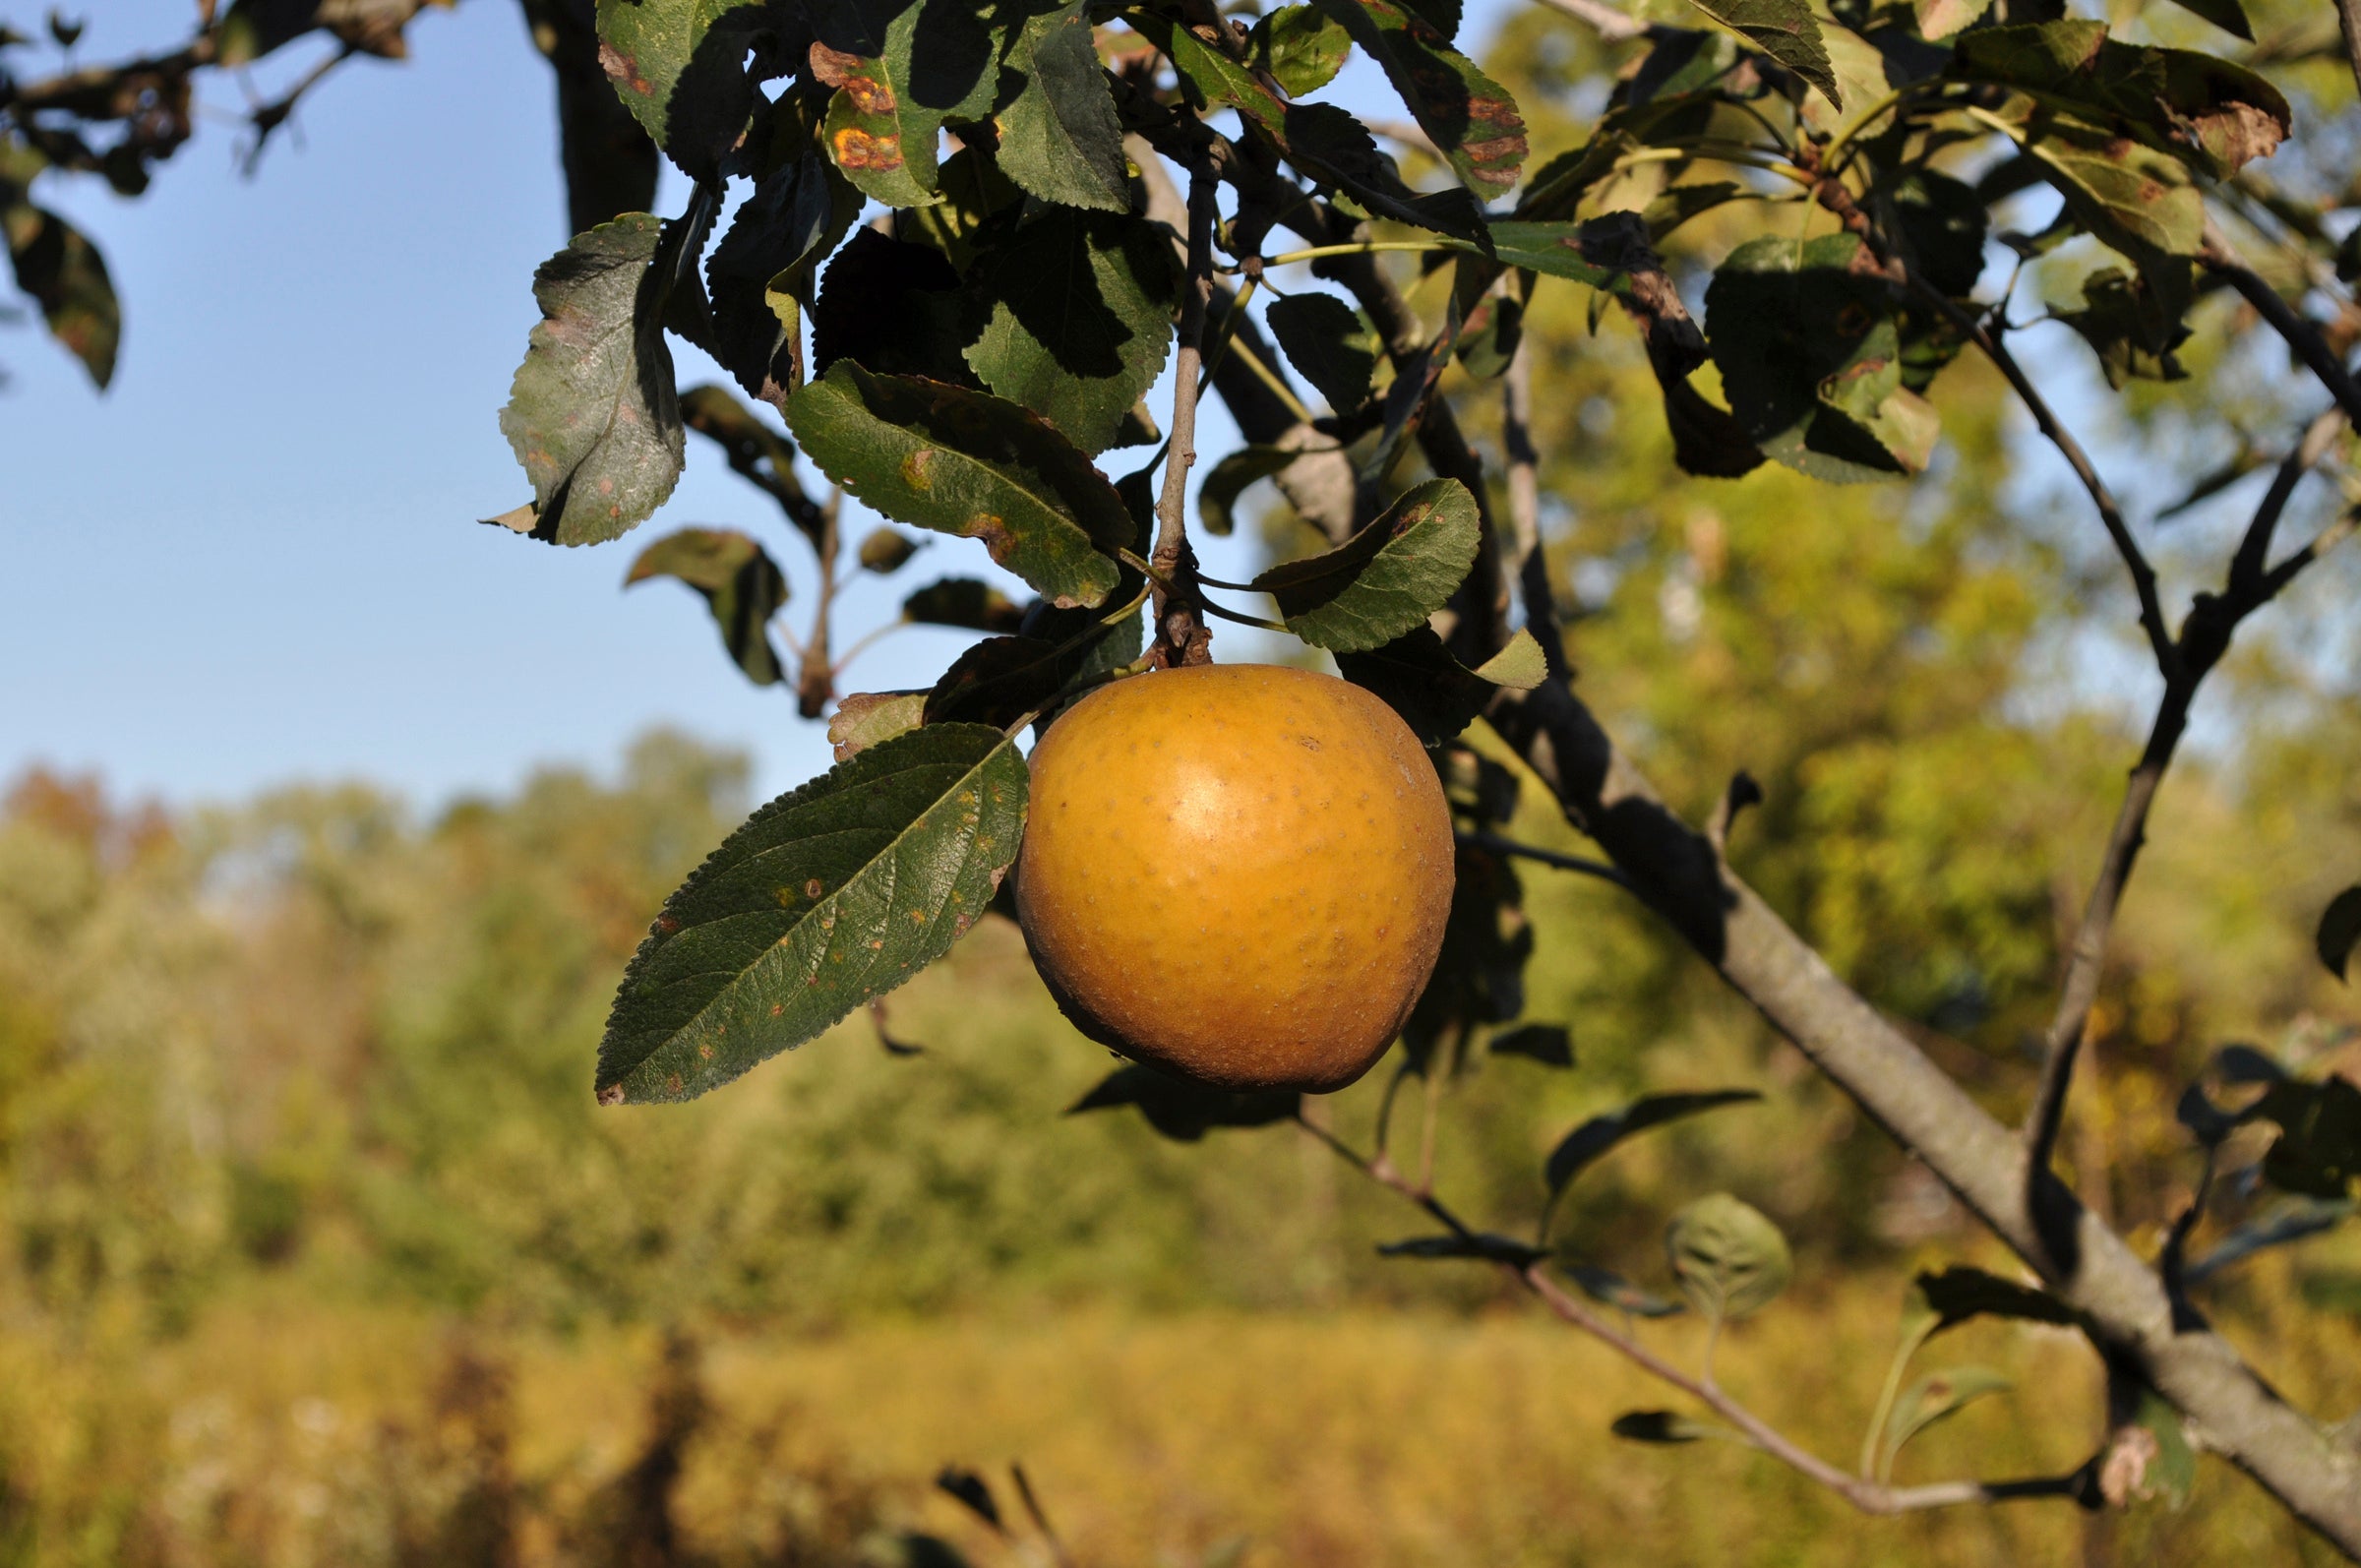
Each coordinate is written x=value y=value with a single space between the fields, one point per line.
x=280 y=1435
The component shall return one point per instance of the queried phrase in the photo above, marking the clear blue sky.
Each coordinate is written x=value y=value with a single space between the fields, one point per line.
x=253 y=558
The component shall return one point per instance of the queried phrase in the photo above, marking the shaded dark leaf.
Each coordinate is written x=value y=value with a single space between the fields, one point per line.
x=760 y=276
x=1942 y=223
x=2132 y=331
x=1330 y=344
x=885 y=550
x=1435 y=694
x=1483 y=1245
x=966 y=463
x=66 y=276
x=1579 y=1149
x=1480 y=975
x=1229 y=478
x=2339 y=930
x=1960 y=1294
x=1551 y=1045
x=2292 y=1221
x=967 y=602
x=740 y=583
x=1181 y=1110
x=1384 y=581
x=1810 y=357
x=1001 y=680
x=2318 y=1152
x=1080 y=318
x=972 y=1492
x=824 y=898
x=1659 y=1426
x=1609 y=1289
x=891 y=307
x=2228 y=14
x=2246 y=1064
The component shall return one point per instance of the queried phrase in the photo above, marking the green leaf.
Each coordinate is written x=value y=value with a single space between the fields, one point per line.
x=824 y=898
x=885 y=550
x=1387 y=578
x=1586 y=1144
x=741 y=584
x=2132 y=198
x=1787 y=32
x=2318 y=1152
x=2133 y=332
x=1659 y=1426
x=760 y=276
x=1227 y=480
x=1729 y=1258
x=879 y=136
x=1181 y=1110
x=893 y=307
x=594 y=414
x=1519 y=666
x=974 y=194
x=1323 y=141
x=66 y=276
x=1472 y=119
x=1059 y=139
x=966 y=602
x=1933 y=1398
x=2168 y=97
x=967 y=463
x=1080 y=318
x=2228 y=14
x=1609 y=1289
x=1330 y=344
x=678 y=66
x=2171 y=1468
x=871 y=718
x=1483 y=1245
x=1551 y=1045
x=1001 y=680
x=1300 y=47
x=1942 y=221
x=1859 y=68
x=2340 y=931
x=1811 y=355
x=1940 y=19
x=1434 y=693
x=1960 y=1294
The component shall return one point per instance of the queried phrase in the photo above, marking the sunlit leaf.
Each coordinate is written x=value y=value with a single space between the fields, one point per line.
x=1302 y=48
x=680 y=67
x=1936 y=1397
x=824 y=898
x=968 y=463
x=1387 y=578
x=1059 y=139
x=1786 y=30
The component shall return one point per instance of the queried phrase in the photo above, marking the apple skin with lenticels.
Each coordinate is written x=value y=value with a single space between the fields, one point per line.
x=1235 y=873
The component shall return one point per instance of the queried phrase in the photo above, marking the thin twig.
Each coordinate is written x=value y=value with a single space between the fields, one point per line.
x=2143 y=576
x=2220 y=255
x=266 y=118
x=2204 y=638
x=2253 y=549
x=1181 y=634
x=1867 y=1495
x=1612 y=24
x=1547 y=856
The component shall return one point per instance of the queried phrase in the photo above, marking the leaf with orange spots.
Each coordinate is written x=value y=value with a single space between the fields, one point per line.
x=825 y=898
x=1470 y=118
x=971 y=464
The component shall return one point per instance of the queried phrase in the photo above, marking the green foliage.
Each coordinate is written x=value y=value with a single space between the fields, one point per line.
x=1386 y=579
x=738 y=582
x=885 y=862
x=1729 y=1258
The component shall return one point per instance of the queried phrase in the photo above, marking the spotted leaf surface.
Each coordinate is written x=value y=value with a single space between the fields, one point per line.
x=826 y=897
